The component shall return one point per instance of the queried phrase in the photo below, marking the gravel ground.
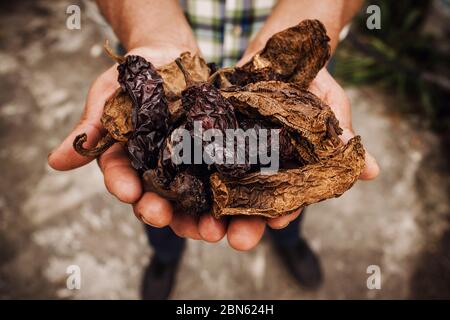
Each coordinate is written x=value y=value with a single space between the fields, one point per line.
x=50 y=220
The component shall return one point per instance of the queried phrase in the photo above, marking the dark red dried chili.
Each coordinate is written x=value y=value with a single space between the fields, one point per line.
x=150 y=113
x=204 y=103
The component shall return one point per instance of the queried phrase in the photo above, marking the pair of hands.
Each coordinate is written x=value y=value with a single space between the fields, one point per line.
x=121 y=180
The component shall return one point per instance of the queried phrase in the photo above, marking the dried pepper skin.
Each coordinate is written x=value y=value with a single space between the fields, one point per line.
x=136 y=114
x=329 y=167
x=295 y=54
x=288 y=190
x=205 y=104
x=174 y=82
x=192 y=196
x=103 y=144
x=116 y=119
x=187 y=192
x=297 y=110
x=292 y=55
x=150 y=114
x=166 y=170
x=287 y=150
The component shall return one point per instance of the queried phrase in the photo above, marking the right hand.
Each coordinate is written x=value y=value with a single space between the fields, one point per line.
x=120 y=178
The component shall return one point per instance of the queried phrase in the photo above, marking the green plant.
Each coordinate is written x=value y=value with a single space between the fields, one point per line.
x=401 y=58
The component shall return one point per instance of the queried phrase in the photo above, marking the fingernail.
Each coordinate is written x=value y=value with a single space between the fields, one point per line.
x=283 y=226
x=372 y=160
x=142 y=219
x=150 y=224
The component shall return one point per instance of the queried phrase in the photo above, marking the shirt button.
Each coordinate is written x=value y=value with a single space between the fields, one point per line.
x=237 y=31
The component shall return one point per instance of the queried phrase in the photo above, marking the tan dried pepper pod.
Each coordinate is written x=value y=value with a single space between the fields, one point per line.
x=331 y=166
x=174 y=81
x=292 y=55
x=288 y=190
x=116 y=119
x=300 y=111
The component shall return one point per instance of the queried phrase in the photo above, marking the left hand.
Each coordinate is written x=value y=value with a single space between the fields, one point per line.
x=244 y=233
x=329 y=91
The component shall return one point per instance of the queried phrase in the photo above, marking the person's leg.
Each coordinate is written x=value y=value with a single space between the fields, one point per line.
x=168 y=247
x=159 y=276
x=289 y=236
x=296 y=254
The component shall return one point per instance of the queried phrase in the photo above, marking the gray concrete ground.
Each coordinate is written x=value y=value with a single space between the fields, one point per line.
x=50 y=220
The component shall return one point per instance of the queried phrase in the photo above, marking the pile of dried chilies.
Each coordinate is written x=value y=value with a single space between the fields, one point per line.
x=270 y=91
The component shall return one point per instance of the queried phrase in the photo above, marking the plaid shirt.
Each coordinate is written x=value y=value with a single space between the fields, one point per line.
x=223 y=28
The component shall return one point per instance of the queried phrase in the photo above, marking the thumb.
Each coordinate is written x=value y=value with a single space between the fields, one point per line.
x=371 y=168
x=64 y=157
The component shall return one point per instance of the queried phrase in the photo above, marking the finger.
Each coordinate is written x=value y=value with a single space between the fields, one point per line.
x=245 y=58
x=185 y=226
x=371 y=168
x=282 y=222
x=153 y=210
x=64 y=157
x=340 y=104
x=120 y=177
x=211 y=229
x=244 y=233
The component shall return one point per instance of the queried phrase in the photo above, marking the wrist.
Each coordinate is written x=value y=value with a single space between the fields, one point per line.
x=256 y=45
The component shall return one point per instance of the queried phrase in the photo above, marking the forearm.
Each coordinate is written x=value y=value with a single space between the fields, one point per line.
x=334 y=14
x=139 y=23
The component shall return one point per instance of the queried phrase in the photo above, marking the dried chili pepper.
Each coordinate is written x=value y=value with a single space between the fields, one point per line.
x=288 y=190
x=102 y=145
x=205 y=104
x=186 y=191
x=292 y=55
x=183 y=185
x=297 y=110
x=116 y=119
x=174 y=82
x=287 y=150
x=166 y=169
x=116 y=116
x=149 y=117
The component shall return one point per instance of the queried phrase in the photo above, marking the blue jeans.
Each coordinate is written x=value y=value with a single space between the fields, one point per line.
x=169 y=247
